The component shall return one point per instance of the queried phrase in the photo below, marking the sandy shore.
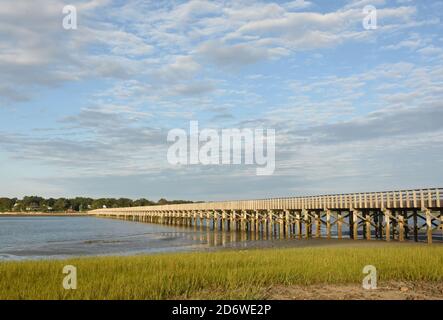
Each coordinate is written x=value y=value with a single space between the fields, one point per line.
x=393 y=290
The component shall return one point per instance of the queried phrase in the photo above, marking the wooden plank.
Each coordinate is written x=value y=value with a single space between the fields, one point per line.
x=388 y=200
x=430 y=204
x=414 y=195
x=407 y=203
x=400 y=199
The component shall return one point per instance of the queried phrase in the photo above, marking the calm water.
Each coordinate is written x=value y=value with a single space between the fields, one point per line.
x=60 y=237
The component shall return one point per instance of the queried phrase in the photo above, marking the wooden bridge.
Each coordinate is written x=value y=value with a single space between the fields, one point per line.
x=398 y=215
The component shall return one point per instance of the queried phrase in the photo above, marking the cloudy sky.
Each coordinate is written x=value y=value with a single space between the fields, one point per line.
x=86 y=112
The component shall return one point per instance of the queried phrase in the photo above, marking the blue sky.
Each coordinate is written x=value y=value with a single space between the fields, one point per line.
x=86 y=112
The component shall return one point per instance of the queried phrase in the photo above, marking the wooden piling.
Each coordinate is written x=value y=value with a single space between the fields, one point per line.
x=339 y=225
x=428 y=224
x=355 y=225
x=387 y=225
x=328 y=224
x=317 y=225
x=299 y=225
x=368 y=225
x=401 y=228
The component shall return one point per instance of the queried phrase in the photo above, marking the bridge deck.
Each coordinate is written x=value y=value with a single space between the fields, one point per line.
x=383 y=215
x=412 y=199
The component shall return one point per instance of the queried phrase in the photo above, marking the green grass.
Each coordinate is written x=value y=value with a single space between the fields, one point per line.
x=216 y=275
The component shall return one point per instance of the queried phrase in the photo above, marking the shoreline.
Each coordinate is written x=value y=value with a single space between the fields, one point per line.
x=248 y=246
x=42 y=214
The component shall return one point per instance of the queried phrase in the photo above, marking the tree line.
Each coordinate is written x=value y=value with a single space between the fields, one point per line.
x=40 y=204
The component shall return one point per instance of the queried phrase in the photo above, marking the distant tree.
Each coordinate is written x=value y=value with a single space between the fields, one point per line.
x=124 y=202
x=50 y=202
x=143 y=202
x=162 y=201
x=35 y=203
x=7 y=204
x=60 y=205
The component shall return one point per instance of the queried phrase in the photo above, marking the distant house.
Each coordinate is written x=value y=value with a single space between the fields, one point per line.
x=32 y=207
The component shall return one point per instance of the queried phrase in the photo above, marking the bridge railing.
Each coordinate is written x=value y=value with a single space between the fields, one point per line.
x=407 y=199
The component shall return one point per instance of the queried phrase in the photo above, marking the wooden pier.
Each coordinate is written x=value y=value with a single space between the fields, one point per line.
x=415 y=215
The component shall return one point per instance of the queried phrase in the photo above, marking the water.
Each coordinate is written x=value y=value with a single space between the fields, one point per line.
x=62 y=237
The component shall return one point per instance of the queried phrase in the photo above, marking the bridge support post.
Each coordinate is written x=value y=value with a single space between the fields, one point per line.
x=317 y=225
x=368 y=225
x=441 y=222
x=215 y=221
x=281 y=222
x=288 y=223
x=257 y=221
x=401 y=228
x=428 y=224
x=298 y=225
x=271 y=223
x=376 y=224
x=387 y=214
x=233 y=223
x=406 y=223
x=328 y=224
x=415 y=227
x=339 y=225
x=306 y=221
x=354 y=224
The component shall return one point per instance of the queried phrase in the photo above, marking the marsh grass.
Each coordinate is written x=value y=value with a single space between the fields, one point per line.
x=216 y=275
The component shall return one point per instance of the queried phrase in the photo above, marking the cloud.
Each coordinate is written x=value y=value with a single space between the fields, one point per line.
x=163 y=42
x=143 y=67
x=298 y=4
x=388 y=123
x=239 y=54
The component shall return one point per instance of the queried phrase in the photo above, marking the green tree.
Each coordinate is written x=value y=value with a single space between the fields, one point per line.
x=60 y=205
x=7 y=204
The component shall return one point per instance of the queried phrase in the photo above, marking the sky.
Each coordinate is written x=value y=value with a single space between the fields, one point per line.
x=86 y=111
